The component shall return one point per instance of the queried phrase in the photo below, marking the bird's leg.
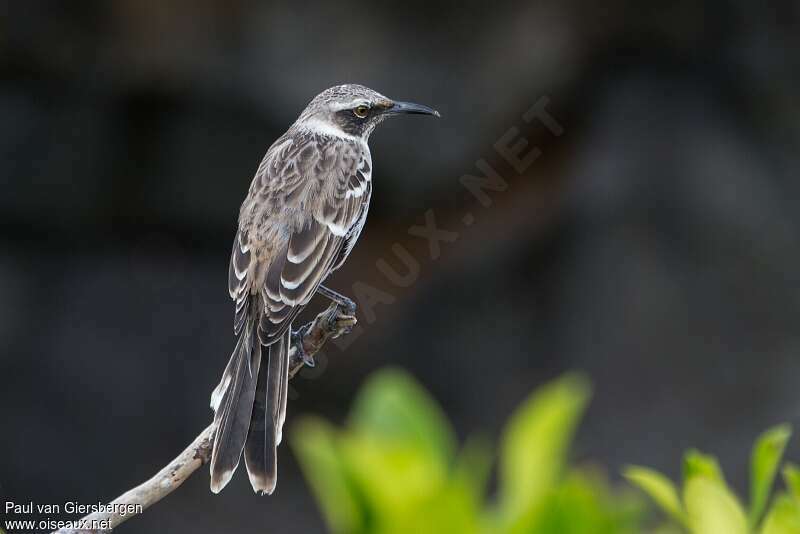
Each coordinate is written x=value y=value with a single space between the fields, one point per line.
x=341 y=300
x=297 y=341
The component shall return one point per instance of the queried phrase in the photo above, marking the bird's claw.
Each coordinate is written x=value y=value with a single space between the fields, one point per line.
x=308 y=360
x=343 y=321
x=349 y=307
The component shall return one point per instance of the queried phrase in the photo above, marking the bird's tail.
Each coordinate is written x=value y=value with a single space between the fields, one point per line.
x=232 y=402
x=268 y=415
x=250 y=406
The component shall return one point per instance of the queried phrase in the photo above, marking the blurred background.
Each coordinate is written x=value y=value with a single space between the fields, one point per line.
x=653 y=245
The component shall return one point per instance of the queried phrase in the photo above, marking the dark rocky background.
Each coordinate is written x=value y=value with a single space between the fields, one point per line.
x=654 y=244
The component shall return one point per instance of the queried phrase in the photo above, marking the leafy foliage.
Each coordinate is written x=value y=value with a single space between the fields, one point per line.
x=709 y=506
x=396 y=468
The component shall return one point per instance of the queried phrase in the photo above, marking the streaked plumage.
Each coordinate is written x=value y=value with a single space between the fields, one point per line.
x=304 y=212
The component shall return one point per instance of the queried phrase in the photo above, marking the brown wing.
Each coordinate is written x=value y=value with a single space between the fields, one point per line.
x=312 y=193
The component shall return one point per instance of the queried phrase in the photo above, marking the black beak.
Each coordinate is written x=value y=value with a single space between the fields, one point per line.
x=411 y=108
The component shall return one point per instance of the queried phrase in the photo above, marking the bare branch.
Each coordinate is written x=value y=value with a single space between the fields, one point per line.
x=330 y=324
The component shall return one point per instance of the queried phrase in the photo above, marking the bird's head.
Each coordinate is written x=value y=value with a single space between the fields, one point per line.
x=352 y=110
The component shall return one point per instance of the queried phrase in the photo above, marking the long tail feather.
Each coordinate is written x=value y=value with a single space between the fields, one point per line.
x=269 y=413
x=232 y=402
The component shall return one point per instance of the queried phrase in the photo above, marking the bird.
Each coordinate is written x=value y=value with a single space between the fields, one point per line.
x=302 y=215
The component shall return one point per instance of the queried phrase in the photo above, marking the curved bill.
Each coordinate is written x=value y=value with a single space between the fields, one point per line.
x=412 y=108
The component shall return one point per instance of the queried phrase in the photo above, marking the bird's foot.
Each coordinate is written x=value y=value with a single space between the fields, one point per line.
x=343 y=321
x=349 y=307
x=297 y=339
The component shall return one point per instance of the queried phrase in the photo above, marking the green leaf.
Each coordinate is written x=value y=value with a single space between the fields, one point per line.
x=535 y=443
x=443 y=513
x=791 y=476
x=766 y=457
x=784 y=517
x=711 y=508
x=670 y=528
x=584 y=503
x=404 y=490
x=659 y=488
x=695 y=463
x=392 y=405
x=455 y=505
x=314 y=444
x=473 y=466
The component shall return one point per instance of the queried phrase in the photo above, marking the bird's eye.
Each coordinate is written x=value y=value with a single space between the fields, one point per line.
x=361 y=111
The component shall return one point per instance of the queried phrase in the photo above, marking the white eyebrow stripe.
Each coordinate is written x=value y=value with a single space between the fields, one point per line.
x=349 y=105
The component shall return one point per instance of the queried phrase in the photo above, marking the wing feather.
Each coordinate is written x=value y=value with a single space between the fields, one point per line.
x=296 y=225
x=238 y=285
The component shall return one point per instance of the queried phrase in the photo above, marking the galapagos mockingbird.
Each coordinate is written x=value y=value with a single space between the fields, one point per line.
x=304 y=212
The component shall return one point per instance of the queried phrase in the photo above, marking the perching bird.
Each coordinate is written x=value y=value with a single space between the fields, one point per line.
x=304 y=212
